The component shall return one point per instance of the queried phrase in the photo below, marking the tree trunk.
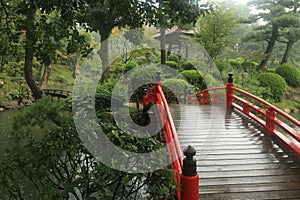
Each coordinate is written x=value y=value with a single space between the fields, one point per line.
x=103 y=53
x=76 y=68
x=287 y=52
x=45 y=76
x=30 y=41
x=163 y=57
x=270 y=47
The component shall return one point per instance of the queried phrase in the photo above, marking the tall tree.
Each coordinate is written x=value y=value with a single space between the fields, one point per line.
x=289 y=24
x=41 y=32
x=107 y=14
x=269 y=11
x=215 y=31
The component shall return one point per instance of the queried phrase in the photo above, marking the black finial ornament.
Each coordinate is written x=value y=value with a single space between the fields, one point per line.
x=189 y=163
x=230 y=78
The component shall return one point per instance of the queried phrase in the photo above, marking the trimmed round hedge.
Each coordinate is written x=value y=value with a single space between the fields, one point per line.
x=186 y=65
x=172 y=64
x=195 y=78
x=173 y=57
x=276 y=84
x=174 y=88
x=290 y=73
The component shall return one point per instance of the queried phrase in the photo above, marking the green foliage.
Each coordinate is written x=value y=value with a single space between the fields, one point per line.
x=14 y=68
x=276 y=84
x=104 y=94
x=236 y=64
x=195 y=78
x=144 y=74
x=186 y=65
x=215 y=31
x=56 y=165
x=290 y=73
x=173 y=57
x=130 y=65
x=223 y=65
x=172 y=64
x=174 y=89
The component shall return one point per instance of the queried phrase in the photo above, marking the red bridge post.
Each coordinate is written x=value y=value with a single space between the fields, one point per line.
x=189 y=176
x=270 y=116
x=229 y=90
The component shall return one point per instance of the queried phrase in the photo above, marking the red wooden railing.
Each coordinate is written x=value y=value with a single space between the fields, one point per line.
x=267 y=115
x=156 y=96
x=207 y=96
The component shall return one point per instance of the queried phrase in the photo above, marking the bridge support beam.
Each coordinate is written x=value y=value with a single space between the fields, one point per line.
x=189 y=177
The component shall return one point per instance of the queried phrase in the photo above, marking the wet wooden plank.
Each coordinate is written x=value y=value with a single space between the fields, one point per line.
x=270 y=195
x=235 y=159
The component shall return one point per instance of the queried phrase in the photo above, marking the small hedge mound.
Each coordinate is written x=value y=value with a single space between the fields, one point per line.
x=290 y=73
x=173 y=57
x=174 y=89
x=276 y=84
x=186 y=65
x=195 y=78
x=172 y=64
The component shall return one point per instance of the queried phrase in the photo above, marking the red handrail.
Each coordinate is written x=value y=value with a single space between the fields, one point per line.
x=156 y=96
x=206 y=96
x=270 y=121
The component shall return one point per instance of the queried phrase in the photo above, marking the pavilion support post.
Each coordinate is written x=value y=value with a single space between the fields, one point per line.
x=163 y=56
x=229 y=91
x=189 y=176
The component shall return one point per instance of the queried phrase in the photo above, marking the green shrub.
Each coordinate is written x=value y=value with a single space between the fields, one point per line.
x=195 y=78
x=130 y=65
x=172 y=64
x=271 y=70
x=290 y=73
x=175 y=85
x=174 y=88
x=173 y=57
x=224 y=66
x=186 y=65
x=103 y=95
x=276 y=84
x=236 y=64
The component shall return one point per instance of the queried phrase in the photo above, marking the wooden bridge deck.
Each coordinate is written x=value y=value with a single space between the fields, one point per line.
x=236 y=159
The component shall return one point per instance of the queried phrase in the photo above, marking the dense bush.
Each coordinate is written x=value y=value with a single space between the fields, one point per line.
x=276 y=84
x=130 y=65
x=57 y=165
x=290 y=73
x=186 y=65
x=224 y=66
x=103 y=95
x=248 y=65
x=172 y=64
x=174 y=89
x=195 y=78
x=173 y=57
x=236 y=64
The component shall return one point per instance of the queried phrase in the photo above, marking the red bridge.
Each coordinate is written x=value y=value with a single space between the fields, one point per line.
x=245 y=147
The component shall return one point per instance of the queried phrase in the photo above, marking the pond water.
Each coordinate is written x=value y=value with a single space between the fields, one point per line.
x=6 y=127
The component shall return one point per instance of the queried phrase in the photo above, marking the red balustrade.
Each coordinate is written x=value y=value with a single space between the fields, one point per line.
x=155 y=96
x=270 y=117
x=261 y=111
x=267 y=115
x=207 y=96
